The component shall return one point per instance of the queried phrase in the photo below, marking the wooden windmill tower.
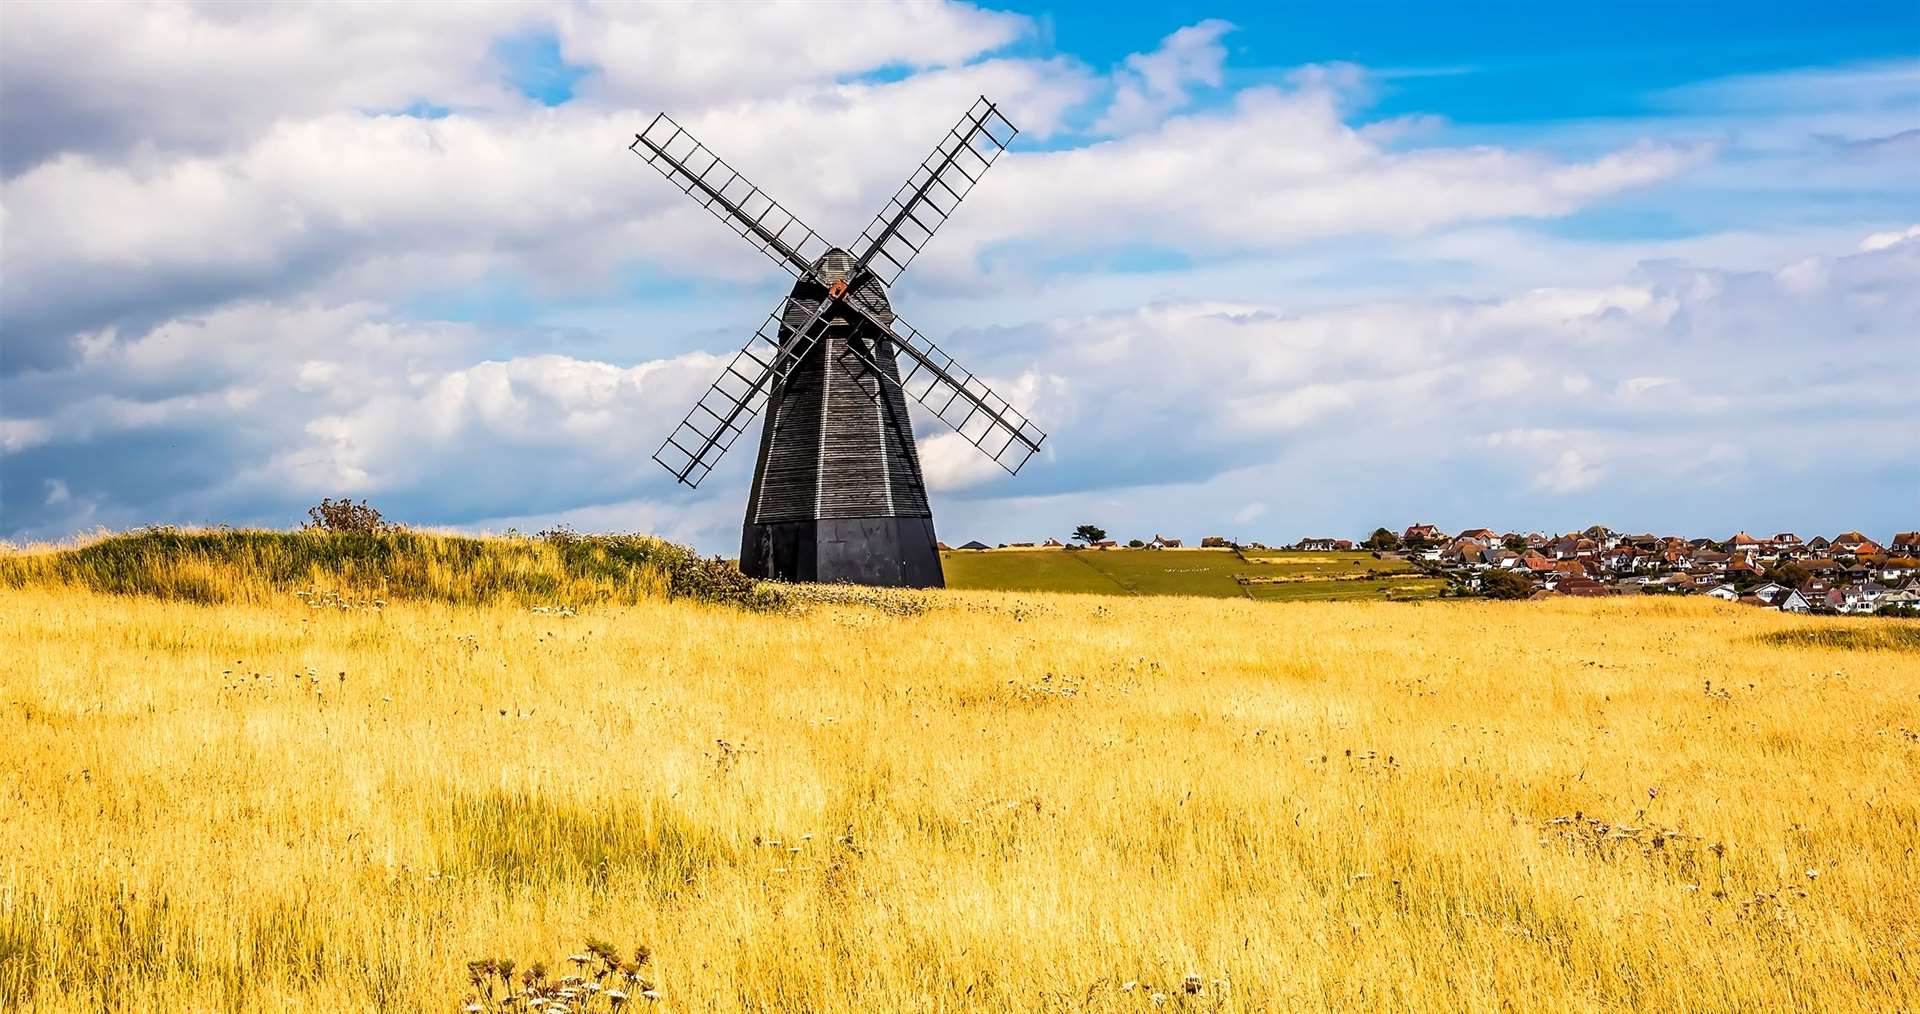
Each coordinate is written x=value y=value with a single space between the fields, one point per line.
x=838 y=493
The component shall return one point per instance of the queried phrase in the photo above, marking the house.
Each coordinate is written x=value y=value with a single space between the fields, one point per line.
x=1018 y=545
x=1894 y=568
x=1898 y=598
x=1501 y=559
x=1051 y=544
x=1162 y=542
x=1621 y=560
x=1581 y=586
x=1570 y=569
x=1103 y=544
x=1215 y=542
x=1725 y=592
x=1849 y=598
x=1792 y=602
x=943 y=547
x=1857 y=544
x=1534 y=563
x=976 y=545
x=1312 y=545
x=1343 y=545
x=1464 y=550
x=1742 y=543
x=1818 y=543
x=1422 y=533
x=1906 y=544
x=1479 y=534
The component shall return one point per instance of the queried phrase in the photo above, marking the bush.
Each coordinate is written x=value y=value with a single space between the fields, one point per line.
x=1382 y=540
x=343 y=515
x=1505 y=584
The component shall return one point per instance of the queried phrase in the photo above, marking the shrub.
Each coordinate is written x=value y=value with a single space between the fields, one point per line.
x=343 y=515
x=1505 y=584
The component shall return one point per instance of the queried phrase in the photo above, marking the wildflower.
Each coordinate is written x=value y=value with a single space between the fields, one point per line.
x=1813 y=874
x=616 y=997
x=1129 y=986
x=651 y=994
x=1190 y=984
x=1159 y=999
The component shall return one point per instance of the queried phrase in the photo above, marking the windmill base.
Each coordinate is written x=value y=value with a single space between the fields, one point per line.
x=891 y=551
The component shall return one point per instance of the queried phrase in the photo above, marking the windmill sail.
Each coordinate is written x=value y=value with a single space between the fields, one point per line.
x=731 y=197
x=709 y=429
x=928 y=198
x=959 y=399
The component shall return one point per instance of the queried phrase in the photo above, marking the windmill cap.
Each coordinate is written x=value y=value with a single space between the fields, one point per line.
x=834 y=265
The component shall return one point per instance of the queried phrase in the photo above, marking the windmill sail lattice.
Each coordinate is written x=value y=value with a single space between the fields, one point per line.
x=838 y=491
x=928 y=198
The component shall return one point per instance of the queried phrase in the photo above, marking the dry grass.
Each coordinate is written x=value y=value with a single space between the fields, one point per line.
x=958 y=801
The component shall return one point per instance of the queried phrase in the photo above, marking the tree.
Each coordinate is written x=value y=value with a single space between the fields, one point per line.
x=1793 y=575
x=1090 y=534
x=1515 y=543
x=1136 y=544
x=1382 y=539
x=1505 y=584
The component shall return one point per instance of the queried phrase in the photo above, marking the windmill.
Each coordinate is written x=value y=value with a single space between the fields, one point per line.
x=838 y=493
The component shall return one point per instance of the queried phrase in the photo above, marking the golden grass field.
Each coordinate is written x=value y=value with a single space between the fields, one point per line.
x=959 y=801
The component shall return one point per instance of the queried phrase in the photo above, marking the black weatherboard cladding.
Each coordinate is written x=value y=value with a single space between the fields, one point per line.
x=837 y=490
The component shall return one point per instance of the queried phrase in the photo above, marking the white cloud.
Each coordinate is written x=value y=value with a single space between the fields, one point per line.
x=138 y=79
x=1570 y=472
x=1883 y=240
x=1150 y=85
x=716 y=54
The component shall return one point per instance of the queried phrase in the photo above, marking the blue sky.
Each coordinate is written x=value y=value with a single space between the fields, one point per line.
x=1263 y=271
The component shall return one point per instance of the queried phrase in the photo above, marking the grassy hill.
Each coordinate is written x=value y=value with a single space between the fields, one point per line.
x=248 y=565
x=1271 y=575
